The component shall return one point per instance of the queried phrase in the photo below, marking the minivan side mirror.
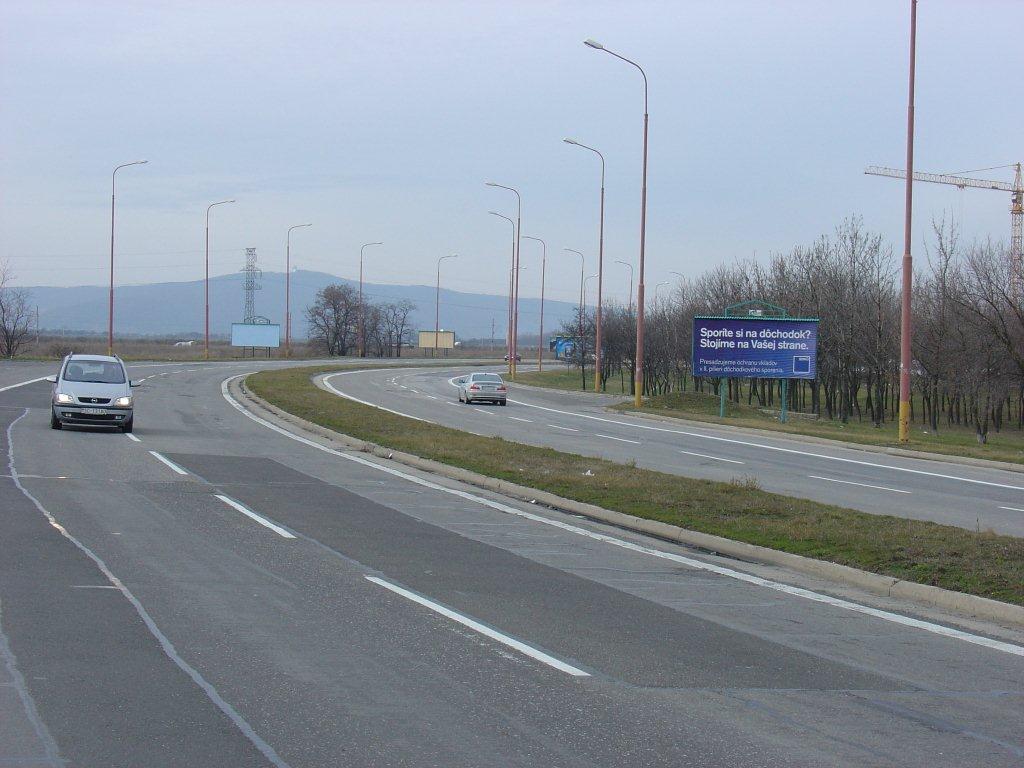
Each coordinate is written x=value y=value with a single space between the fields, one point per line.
x=51 y=379
x=135 y=382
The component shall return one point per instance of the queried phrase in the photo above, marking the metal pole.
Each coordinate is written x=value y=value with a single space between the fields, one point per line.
x=543 y=269
x=515 y=297
x=288 y=290
x=906 y=328
x=362 y=311
x=110 y=301
x=785 y=400
x=206 y=288
x=511 y=287
x=437 y=301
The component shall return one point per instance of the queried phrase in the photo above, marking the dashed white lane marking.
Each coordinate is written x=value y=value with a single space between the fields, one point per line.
x=620 y=439
x=748 y=578
x=516 y=418
x=483 y=411
x=132 y=437
x=432 y=397
x=716 y=458
x=768 y=447
x=168 y=462
x=483 y=629
x=22 y=384
x=259 y=519
x=565 y=429
x=862 y=485
x=1013 y=509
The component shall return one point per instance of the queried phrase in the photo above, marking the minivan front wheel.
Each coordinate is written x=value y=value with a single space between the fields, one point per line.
x=54 y=421
x=128 y=425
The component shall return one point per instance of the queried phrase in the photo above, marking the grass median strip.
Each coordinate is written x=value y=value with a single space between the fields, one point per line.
x=979 y=563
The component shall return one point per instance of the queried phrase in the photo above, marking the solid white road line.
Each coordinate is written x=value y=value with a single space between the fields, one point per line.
x=132 y=437
x=620 y=439
x=22 y=384
x=484 y=630
x=327 y=383
x=168 y=462
x=806 y=594
x=768 y=447
x=1013 y=509
x=516 y=418
x=261 y=520
x=716 y=458
x=566 y=429
x=862 y=485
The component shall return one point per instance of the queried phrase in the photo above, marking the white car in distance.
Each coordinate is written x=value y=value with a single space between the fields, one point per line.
x=482 y=387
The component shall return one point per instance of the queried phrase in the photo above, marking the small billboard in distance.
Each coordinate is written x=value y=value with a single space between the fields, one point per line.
x=445 y=340
x=255 y=335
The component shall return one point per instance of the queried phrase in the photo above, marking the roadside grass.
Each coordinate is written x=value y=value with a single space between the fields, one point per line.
x=1007 y=445
x=558 y=376
x=980 y=563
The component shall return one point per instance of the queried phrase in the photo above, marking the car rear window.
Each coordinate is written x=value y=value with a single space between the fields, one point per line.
x=94 y=372
x=487 y=377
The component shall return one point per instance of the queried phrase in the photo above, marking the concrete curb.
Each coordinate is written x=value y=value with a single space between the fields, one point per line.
x=972 y=605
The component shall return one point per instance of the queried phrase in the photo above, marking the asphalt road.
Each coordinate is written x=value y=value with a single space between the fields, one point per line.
x=212 y=592
x=944 y=492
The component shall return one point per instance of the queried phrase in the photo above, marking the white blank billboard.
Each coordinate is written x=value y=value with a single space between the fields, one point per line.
x=255 y=335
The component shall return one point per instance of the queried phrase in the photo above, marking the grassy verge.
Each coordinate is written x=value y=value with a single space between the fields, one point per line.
x=979 y=563
x=557 y=376
x=1007 y=445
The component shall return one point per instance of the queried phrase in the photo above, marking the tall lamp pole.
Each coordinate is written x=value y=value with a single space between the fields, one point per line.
x=663 y=282
x=362 y=312
x=288 y=290
x=110 y=305
x=598 y=380
x=206 y=345
x=908 y=263
x=543 y=271
x=437 y=300
x=627 y=264
x=515 y=287
x=638 y=377
x=511 y=286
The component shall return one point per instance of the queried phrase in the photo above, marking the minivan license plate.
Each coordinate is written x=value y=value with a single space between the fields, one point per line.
x=95 y=411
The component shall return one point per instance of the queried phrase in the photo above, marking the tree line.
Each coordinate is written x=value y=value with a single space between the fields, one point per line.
x=968 y=341
x=334 y=317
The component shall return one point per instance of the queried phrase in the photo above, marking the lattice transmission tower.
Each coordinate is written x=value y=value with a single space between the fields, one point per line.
x=252 y=284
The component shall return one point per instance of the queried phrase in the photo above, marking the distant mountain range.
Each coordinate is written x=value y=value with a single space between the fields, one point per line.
x=176 y=309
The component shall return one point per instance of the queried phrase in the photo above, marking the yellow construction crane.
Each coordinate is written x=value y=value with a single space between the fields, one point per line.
x=1016 y=191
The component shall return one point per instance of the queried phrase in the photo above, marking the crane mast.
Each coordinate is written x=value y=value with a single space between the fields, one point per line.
x=1016 y=191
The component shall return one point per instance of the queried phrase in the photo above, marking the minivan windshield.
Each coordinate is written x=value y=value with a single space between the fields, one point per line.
x=94 y=372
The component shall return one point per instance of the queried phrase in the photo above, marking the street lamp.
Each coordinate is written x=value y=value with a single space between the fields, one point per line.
x=110 y=308
x=638 y=377
x=627 y=264
x=663 y=282
x=582 y=267
x=515 y=287
x=206 y=346
x=543 y=271
x=288 y=290
x=511 y=286
x=437 y=300
x=362 y=313
x=598 y=383
x=906 y=327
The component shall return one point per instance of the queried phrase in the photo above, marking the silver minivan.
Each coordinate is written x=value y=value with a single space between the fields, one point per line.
x=92 y=390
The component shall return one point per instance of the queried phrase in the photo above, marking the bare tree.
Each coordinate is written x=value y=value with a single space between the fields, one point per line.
x=15 y=314
x=332 y=319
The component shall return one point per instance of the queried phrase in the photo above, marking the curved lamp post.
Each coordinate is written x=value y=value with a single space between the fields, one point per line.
x=515 y=287
x=206 y=345
x=638 y=378
x=362 y=312
x=288 y=290
x=511 y=286
x=543 y=271
x=598 y=382
x=110 y=303
x=437 y=300
x=627 y=264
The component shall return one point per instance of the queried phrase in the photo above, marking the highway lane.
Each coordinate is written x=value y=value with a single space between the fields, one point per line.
x=945 y=492
x=278 y=604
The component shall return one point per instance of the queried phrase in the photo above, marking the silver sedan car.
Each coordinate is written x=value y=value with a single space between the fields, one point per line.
x=482 y=387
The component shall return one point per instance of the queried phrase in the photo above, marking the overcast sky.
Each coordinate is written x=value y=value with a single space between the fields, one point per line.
x=382 y=121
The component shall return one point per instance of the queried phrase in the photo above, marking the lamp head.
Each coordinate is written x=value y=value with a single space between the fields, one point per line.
x=593 y=44
x=570 y=141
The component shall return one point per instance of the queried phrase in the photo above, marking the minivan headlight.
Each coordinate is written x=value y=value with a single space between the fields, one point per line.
x=62 y=398
x=123 y=402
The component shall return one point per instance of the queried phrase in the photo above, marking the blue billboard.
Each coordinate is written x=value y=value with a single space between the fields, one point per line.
x=755 y=347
